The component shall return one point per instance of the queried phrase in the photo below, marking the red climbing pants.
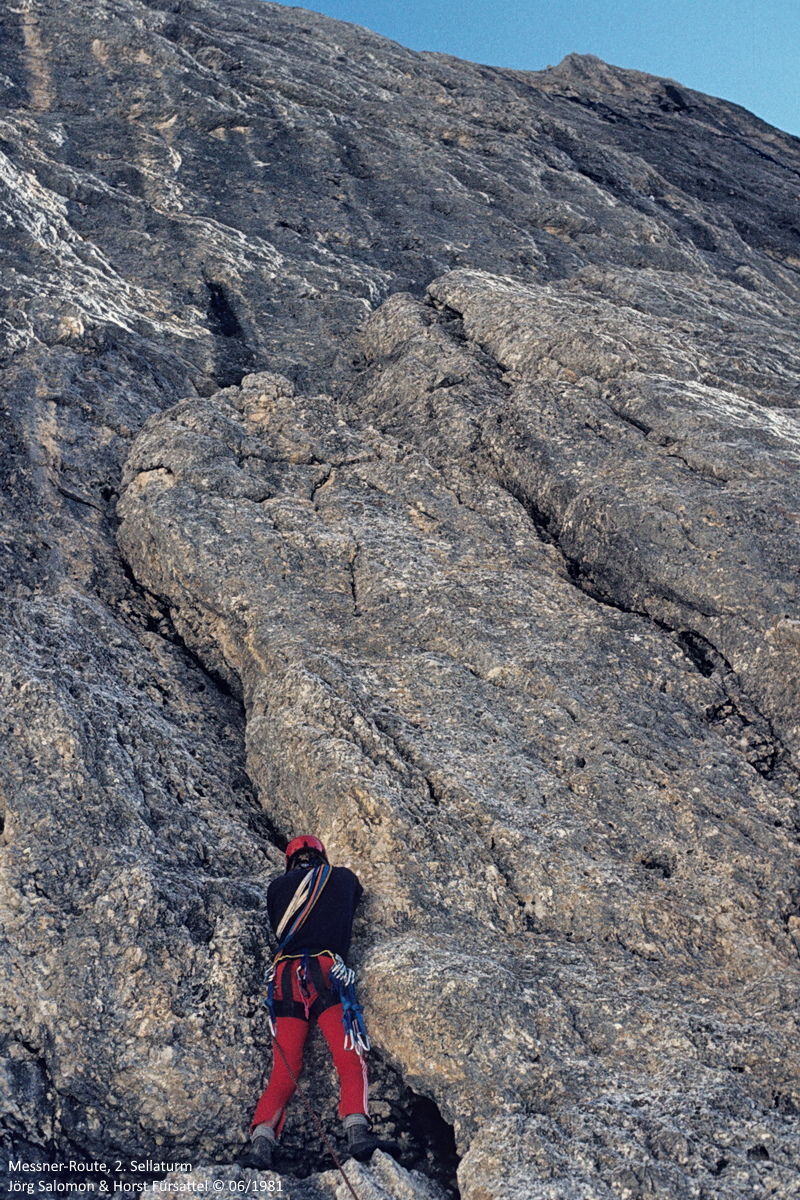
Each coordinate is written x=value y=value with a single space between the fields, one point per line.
x=291 y=1037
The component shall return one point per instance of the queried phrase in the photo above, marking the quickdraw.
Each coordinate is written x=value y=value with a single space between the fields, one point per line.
x=342 y=979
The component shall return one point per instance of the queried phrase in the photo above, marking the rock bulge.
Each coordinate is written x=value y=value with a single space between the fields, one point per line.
x=514 y=767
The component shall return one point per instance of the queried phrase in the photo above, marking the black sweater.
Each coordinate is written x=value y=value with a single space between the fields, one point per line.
x=331 y=920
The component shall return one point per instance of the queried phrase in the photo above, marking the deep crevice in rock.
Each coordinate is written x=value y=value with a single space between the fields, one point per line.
x=700 y=651
x=153 y=614
x=222 y=319
x=351 y=567
x=436 y=1138
x=541 y=521
x=233 y=356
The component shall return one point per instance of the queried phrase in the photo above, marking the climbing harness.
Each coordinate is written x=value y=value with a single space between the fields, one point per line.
x=341 y=981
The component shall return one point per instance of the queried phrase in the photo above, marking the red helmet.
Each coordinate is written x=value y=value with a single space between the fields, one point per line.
x=304 y=842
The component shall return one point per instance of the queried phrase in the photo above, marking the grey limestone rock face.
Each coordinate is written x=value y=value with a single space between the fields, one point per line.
x=459 y=415
x=658 y=454
x=570 y=869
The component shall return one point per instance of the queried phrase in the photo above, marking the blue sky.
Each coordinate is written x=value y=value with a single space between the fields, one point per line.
x=747 y=51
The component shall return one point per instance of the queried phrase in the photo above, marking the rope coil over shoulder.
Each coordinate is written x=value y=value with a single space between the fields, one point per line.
x=304 y=899
x=342 y=977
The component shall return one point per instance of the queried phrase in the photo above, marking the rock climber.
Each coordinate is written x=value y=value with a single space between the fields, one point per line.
x=311 y=909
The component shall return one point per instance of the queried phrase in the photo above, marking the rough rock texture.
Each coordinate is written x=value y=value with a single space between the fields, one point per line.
x=527 y=780
x=382 y=1179
x=647 y=435
x=487 y=570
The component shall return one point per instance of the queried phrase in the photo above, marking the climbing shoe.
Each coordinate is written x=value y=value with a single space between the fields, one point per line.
x=361 y=1141
x=260 y=1154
